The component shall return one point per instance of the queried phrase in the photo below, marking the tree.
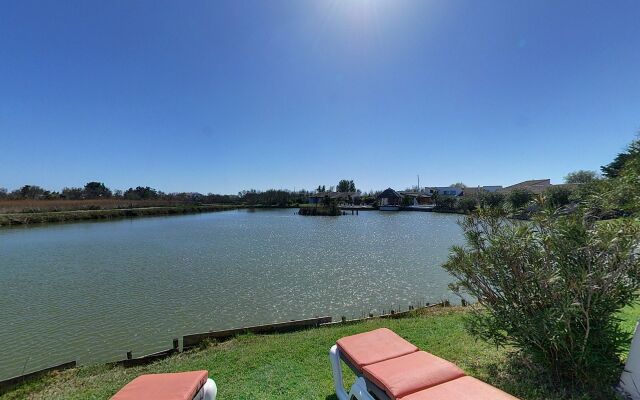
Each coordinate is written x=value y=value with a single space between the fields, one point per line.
x=458 y=185
x=346 y=186
x=466 y=204
x=551 y=288
x=519 y=198
x=556 y=197
x=446 y=202
x=72 y=193
x=581 y=176
x=614 y=168
x=492 y=199
x=33 y=192
x=140 y=193
x=96 y=190
x=3 y=193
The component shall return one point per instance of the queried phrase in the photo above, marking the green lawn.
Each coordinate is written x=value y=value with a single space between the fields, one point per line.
x=296 y=365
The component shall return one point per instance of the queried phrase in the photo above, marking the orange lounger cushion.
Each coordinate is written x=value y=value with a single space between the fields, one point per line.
x=465 y=388
x=410 y=373
x=374 y=346
x=176 y=386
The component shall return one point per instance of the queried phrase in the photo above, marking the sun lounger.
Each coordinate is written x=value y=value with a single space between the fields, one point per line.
x=388 y=367
x=194 y=385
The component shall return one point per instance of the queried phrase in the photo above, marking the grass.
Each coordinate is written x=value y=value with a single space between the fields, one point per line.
x=296 y=365
x=42 y=217
x=34 y=206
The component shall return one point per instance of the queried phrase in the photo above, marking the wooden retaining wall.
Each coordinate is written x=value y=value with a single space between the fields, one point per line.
x=7 y=383
x=190 y=341
x=149 y=358
x=391 y=314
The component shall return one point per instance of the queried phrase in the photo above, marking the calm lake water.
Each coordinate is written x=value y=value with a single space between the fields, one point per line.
x=92 y=291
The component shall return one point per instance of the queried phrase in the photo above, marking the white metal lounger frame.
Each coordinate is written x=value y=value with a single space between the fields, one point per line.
x=208 y=391
x=358 y=389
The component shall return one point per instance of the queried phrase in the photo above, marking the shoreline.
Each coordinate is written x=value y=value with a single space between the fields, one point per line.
x=50 y=217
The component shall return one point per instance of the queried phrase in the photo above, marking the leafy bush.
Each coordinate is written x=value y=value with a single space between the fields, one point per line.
x=466 y=204
x=492 y=199
x=615 y=197
x=519 y=198
x=445 y=202
x=551 y=288
x=556 y=197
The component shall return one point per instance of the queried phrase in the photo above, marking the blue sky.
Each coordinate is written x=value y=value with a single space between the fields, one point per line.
x=219 y=96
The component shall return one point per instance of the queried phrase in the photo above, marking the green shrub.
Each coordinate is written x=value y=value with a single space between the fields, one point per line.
x=556 y=197
x=445 y=202
x=466 y=204
x=519 y=198
x=551 y=288
x=492 y=199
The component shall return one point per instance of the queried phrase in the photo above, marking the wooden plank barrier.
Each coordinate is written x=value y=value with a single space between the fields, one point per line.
x=194 y=340
x=7 y=383
x=392 y=314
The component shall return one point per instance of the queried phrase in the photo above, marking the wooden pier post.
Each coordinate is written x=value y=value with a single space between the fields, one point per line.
x=343 y=319
x=176 y=343
x=129 y=355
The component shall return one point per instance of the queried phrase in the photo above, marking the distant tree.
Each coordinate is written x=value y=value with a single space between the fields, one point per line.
x=30 y=192
x=519 y=198
x=3 y=193
x=581 y=176
x=140 y=193
x=346 y=186
x=466 y=204
x=72 y=193
x=96 y=190
x=319 y=189
x=557 y=196
x=613 y=169
x=435 y=197
x=446 y=202
x=117 y=194
x=458 y=185
x=492 y=199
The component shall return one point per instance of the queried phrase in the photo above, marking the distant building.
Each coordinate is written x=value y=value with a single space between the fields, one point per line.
x=535 y=186
x=420 y=198
x=474 y=191
x=390 y=197
x=446 y=191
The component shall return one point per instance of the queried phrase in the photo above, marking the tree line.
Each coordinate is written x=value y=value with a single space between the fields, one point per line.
x=98 y=190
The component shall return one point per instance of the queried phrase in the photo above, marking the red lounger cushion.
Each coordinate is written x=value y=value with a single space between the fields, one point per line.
x=465 y=388
x=374 y=346
x=177 y=386
x=410 y=373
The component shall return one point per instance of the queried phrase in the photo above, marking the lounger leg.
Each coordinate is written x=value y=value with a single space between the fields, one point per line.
x=359 y=390
x=210 y=390
x=334 y=356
